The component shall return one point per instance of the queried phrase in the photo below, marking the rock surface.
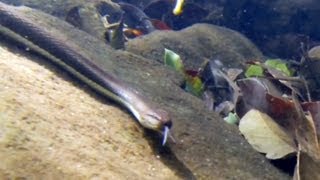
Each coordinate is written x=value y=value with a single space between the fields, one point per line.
x=53 y=128
x=208 y=147
x=197 y=43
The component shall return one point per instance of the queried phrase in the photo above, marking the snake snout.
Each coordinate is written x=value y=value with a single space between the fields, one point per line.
x=168 y=124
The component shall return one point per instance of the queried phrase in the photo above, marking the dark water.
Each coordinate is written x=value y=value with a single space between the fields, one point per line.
x=277 y=27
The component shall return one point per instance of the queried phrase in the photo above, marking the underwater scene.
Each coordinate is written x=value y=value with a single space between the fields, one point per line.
x=160 y=89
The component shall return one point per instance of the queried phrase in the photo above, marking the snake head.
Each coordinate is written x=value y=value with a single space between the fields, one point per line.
x=158 y=120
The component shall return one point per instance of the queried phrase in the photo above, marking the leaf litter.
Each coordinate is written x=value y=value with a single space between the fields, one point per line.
x=273 y=108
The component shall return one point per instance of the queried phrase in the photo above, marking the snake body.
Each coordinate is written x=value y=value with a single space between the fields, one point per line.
x=19 y=28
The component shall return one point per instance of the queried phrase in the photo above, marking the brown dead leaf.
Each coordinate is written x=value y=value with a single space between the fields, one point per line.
x=290 y=115
x=283 y=112
x=306 y=134
x=254 y=92
x=314 y=109
x=307 y=168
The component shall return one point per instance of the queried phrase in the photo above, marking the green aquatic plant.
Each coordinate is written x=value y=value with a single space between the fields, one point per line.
x=257 y=69
x=193 y=82
x=173 y=60
x=254 y=71
x=280 y=65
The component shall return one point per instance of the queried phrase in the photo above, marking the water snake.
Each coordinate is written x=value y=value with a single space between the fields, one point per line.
x=14 y=25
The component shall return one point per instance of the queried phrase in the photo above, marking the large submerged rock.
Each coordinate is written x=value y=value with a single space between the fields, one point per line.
x=65 y=133
x=52 y=128
x=196 y=44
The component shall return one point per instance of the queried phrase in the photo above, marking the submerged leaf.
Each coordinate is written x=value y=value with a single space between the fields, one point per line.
x=224 y=108
x=254 y=71
x=233 y=73
x=132 y=33
x=307 y=168
x=221 y=86
x=314 y=109
x=306 y=132
x=283 y=112
x=291 y=117
x=265 y=135
x=309 y=70
x=254 y=92
x=194 y=85
x=160 y=25
x=173 y=60
x=279 y=65
x=232 y=118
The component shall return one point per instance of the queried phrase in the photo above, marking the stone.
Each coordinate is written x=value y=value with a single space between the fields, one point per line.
x=197 y=43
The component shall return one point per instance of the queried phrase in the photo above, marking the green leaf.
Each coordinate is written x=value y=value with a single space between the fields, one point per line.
x=232 y=118
x=279 y=65
x=173 y=60
x=254 y=71
x=194 y=85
